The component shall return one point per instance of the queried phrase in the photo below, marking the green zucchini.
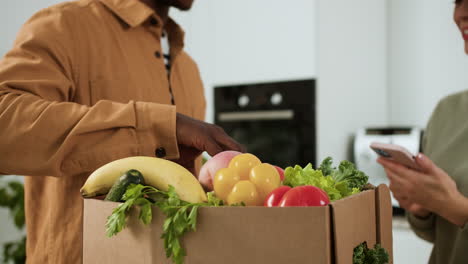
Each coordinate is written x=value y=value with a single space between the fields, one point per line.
x=120 y=186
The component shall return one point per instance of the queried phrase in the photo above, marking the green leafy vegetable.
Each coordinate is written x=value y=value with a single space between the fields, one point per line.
x=297 y=176
x=12 y=198
x=213 y=200
x=326 y=166
x=364 y=255
x=181 y=216
x=348 y=172
x=337 y=183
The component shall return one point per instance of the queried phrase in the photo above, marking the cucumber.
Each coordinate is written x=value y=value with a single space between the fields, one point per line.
x=120 y=186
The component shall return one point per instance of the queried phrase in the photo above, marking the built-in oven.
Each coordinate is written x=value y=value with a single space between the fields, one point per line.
x=276 y=121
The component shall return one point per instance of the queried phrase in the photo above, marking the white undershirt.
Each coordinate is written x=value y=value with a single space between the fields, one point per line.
x=165 y=51
x=167 y=60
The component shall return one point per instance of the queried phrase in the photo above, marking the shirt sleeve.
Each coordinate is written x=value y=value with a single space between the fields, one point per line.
x=423 y=227
x=44 y=133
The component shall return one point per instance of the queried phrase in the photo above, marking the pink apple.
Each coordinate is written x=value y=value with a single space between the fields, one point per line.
x=209 y=169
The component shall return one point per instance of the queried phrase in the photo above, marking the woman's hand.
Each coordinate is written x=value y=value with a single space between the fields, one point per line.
x=425 y=191
x=414 y=208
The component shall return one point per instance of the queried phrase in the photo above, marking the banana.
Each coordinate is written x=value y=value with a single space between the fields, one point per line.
x=159 y=173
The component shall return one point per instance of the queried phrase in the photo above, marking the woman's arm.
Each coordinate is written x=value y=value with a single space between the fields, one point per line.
x=456 y=210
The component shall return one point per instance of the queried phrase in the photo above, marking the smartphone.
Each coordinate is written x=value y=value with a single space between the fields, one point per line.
x=395 y=153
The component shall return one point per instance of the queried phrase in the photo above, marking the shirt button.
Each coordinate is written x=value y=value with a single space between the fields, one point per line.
x=157 y=54
x=153 y=21
x=160 y=152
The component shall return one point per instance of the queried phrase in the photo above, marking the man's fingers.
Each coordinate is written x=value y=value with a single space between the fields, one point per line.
x=207 y=183
x=230 y=144
x=212 y=147
x=226 y=141
x=204 y=136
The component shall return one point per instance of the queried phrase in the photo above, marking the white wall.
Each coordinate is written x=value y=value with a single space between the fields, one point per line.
x=13 y=14
x=247 y=41
x=351 y=71
x=340 y=42
x=426 y=59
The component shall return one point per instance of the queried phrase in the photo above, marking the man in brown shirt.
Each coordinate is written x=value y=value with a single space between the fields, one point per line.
x=85 y=84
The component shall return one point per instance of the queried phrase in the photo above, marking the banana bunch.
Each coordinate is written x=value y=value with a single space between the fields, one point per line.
x=159 y=173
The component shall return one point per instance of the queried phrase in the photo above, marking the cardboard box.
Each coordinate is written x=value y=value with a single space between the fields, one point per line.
x=236 y=235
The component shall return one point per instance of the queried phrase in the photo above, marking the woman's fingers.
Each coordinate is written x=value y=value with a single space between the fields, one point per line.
x=397 y=183
x=401 y=172
x=397 y=169
x=426 y=164
x=424 y=188
x=399 y=188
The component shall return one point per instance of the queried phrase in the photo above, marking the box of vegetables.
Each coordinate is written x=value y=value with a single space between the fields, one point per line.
x=156 y=211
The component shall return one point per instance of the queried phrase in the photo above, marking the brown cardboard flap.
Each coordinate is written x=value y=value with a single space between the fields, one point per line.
x=260 y=235
x=353 y=223
x=228 y=235
x=384 y=219
x=133 y=245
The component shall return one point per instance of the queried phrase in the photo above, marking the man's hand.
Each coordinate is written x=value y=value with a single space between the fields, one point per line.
x=194 y=137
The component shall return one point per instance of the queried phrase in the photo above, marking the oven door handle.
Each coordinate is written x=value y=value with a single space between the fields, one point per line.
x=256 y=115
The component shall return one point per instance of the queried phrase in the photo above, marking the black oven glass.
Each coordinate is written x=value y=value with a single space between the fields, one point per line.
x=275 y=121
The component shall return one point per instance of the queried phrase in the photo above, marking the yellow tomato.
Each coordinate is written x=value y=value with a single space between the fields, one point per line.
x=246 y=192
x=243 y=163
x=266 y=178
x=223 y=182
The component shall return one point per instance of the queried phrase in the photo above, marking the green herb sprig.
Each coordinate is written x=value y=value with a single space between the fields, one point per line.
x=364 y=255
x=181 y=216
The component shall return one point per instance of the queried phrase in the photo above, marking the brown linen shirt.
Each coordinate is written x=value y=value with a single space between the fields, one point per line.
x=85 y=84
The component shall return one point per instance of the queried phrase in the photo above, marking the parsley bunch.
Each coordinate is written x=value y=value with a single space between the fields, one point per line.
x=364 y=255
x=181 y=216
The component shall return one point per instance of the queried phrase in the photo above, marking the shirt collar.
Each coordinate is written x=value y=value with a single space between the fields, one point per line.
x=133 y=12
